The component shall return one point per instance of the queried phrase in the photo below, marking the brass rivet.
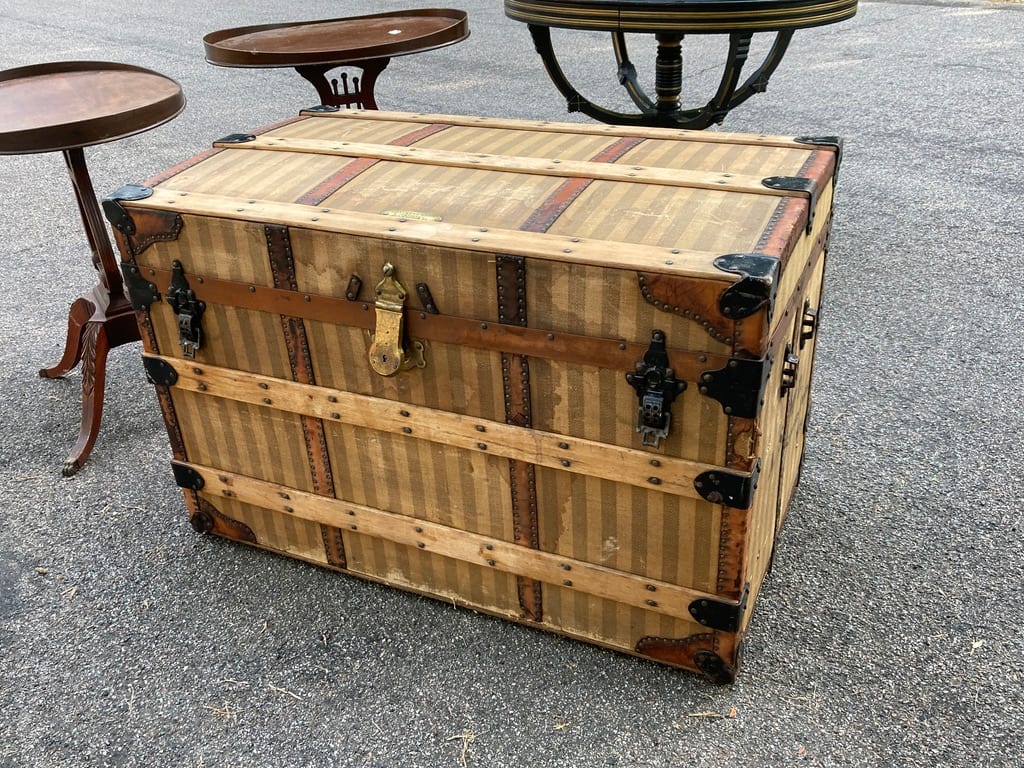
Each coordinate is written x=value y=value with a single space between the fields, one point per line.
x=404 y=413
x=252 y=289
x=651 y=603
x=264 y=385
x=567 y=583
x=335 y=415
x=566 y=463
x=202 y=387
x=654 y=480
x=266 y=401
x=481 y=428
x=490 y=562
x=566 y=567
x=655 y=463
x=407 y=430
x=489 y=546
x=418 y=529
x=289 y=510
x=421 y=545
x=651 y=588
x=482 y=446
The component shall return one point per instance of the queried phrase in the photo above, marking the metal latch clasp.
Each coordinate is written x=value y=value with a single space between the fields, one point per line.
x=388 y=353
x=189 y=310
x=656 y=387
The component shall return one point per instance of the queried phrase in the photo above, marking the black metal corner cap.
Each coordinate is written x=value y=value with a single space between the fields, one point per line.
x=186 y=476
x=733 y=489
x=321 y=109
x=756 y=288
x=236 y=138
x=725 y=616
x=116 y=214
x=836 y=142
x=739 y=386
x=796 y=184
x=160 y=372
x=714 y=667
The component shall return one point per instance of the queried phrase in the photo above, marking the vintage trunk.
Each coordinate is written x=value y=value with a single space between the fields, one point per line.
x=558 y=373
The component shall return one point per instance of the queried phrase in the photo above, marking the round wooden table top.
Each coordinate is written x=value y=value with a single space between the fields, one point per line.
x=68 y=104
x=690 y=17
x=352 y=39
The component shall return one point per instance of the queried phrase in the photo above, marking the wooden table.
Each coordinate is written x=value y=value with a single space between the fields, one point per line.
x=64 y=107
x=670 y=21
x=314 y=48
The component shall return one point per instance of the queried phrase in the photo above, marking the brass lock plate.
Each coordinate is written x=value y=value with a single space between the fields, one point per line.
x=388 y=352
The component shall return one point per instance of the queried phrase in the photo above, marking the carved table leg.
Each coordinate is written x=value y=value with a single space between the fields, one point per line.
x=98 y=321
x=81 y=311
x=362 y=93
x=99 y=336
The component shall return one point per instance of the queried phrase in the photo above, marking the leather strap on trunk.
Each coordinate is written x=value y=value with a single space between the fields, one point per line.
x=282 y=265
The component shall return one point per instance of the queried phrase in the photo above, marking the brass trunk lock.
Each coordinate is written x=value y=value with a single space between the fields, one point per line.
x=388 y=354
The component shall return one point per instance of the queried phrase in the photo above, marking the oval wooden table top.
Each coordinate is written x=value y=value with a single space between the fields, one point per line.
x=352 y=39
x=68 y=104
x=690 y=17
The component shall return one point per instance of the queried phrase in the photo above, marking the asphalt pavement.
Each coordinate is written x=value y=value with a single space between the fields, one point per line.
x=889 y=632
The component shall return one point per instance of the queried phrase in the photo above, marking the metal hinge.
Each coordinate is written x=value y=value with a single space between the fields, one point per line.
x=189 y=310
x=656 y=387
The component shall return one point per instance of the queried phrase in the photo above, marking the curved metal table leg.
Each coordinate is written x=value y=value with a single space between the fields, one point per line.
x=665 y=111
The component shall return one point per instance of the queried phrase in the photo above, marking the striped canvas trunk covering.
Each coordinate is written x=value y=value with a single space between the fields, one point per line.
x=397 y=345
